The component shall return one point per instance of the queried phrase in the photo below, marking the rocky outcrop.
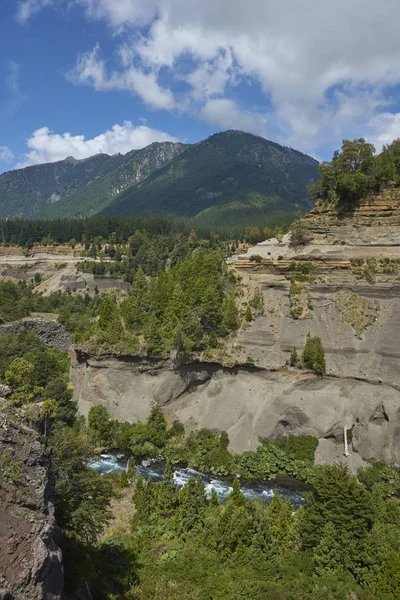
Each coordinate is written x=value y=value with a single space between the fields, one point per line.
x=30 y=560
x=53 y=334
x=351 y=300
x=244 y=401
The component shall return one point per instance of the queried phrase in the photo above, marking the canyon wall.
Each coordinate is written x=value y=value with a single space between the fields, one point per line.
x=247 y=402
x=30 y=560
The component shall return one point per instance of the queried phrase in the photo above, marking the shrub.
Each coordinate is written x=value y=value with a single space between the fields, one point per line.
x=313 y=355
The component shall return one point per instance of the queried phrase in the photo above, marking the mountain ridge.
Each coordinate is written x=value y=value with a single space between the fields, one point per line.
x=231 y=175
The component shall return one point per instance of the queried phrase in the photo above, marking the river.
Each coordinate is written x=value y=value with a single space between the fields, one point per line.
x=287 y=487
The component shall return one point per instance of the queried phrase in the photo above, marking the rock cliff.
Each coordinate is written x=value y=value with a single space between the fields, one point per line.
x=247 y=402
x=350 y=299
x=30 y=560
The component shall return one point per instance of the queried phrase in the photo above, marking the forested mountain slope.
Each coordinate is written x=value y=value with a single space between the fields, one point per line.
x=228 y=179
x=71 y=188
x=30 y=191
x=229 y=176
x=97 y=194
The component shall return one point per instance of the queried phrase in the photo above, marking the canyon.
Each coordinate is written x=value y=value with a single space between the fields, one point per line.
x=351 y=301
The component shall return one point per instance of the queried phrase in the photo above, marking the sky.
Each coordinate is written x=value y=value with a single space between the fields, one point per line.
x=79 y=77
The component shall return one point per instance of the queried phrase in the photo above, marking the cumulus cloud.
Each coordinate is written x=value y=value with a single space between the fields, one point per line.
x=91 y=69
x=385 y=128
x=306 y=60
x=47 y=146
x=6 y=155
x=225 y=113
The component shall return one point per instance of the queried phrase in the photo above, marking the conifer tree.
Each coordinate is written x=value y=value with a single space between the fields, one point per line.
x=153 y=336
x=294 y=357
x=107 y=310
x=192 y=504
x=328 y=554
x=236 y=497
x=230 y=320
x=314 y=355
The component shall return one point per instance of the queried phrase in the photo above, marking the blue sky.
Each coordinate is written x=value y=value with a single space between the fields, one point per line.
x=79 y=77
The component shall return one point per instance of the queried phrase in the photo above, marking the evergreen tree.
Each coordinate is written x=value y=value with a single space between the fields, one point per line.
x=107 y=310
x=192 y=505
x=230 y=320
x=153 y=336
x=236 y=497
x=329 y=553
x=100 y=425
x=294 y=357
x=388 y=584
x=313 y=355
x=214 y=498
x=337 y=497
x=134 y=308
x=248 y=315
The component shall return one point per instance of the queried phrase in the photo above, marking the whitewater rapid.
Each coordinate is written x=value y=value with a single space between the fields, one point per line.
x=109 y=463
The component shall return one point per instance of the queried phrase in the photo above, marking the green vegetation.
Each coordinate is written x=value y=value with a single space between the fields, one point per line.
x=358 y=311
x=41 y=397
x=204 y=450
x=232 y=177
x=313 y=356
x=225 y=183
x=301 y=274
x=180 y=545
x=182 y=298
x=299 y=235
x=354 y=173
x=10 y=469
x=94 y=196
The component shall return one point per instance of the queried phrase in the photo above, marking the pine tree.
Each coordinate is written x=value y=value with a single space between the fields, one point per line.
x=280 y=516
x=213 y=501
x=328 y=554
x=230 y=320
x=248 y=314
x=388 y=584
x=294 y=357
x=313 y=355
x=153 y=336
x=106 y=311
x=192 y=505
x=134 y=308
x=236 y=497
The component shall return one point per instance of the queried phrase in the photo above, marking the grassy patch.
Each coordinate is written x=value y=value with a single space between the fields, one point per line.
x=358 y=311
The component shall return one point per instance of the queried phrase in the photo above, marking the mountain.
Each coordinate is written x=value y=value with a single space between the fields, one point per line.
x=70 y=187
x=97 y=194
x=229 y=177
x=29 y=192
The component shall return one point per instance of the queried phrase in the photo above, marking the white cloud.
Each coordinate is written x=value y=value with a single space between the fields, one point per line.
x=91 y=69
x=223 y=112
x=6 y=155
x=27 y=8
x=306 y=60
x=46 y=146
x=386 y=128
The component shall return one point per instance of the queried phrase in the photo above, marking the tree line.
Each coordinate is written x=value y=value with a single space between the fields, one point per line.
x=355 y=172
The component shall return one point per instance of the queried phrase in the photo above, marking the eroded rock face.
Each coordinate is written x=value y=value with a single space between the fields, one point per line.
x=245 y=402
x=30 y=560
x=53 y=334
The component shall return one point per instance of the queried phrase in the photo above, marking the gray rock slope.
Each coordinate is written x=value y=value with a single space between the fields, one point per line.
x=246 y=402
